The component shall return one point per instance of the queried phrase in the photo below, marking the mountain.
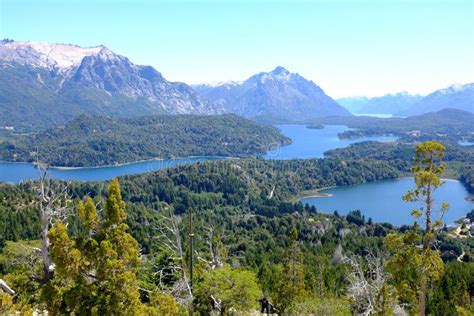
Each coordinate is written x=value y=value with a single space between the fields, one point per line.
x=279 y=95
x=387 y=104
x=457 y=96
x=43 y=84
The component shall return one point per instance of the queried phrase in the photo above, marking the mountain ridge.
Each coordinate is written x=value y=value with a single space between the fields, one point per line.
x=278 y=93
x=456 y=96
x=40 y=88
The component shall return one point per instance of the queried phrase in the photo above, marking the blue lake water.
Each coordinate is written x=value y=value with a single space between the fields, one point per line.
x=307 y=143
x=16 y=172
x=382 y=201
x=312 y=143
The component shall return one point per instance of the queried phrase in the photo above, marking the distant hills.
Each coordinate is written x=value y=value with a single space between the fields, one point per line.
x=279 y=95
x=387 y=104
x=44 y=84
x=458 y=96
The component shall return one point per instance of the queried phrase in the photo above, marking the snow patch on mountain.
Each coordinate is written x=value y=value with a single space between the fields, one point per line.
x=41 y=54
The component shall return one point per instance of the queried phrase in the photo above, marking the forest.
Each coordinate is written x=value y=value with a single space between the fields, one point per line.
x=98 y=141
x=249 y=242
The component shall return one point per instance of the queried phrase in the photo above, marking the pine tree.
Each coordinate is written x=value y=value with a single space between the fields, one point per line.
x=427 y=263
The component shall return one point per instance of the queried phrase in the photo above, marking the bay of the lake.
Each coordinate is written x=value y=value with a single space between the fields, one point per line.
x=312 y=143
x=382 y=201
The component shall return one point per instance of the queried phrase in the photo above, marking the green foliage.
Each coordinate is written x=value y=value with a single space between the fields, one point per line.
x=291 y=287
x=96 y=141
x=88 y=215
x=404 y=266
x=453 y=291
x=165 y=304
x=96 y=274
x=233 y=288
x=19 y=218
x=423 y=261
x=234 y=198
x=400 y=155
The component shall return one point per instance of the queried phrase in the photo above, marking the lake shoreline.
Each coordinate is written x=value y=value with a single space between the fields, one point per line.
x=312 y=193
x=318 y=194
x=157 y=159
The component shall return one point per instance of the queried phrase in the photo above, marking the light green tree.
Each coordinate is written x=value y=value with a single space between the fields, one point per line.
x=96 y=274
x=230 y=288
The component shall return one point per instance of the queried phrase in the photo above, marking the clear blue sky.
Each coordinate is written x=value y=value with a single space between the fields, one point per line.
x=347 y=47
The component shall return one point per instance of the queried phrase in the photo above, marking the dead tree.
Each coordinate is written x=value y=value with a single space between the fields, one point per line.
x=53 y=199
x=216 y=250
x=170 y=237
x=6 y=288
x=368 y=287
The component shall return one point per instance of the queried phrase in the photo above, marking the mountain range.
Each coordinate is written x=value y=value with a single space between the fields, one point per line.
x=44 y=84
x=387 y=104
x=279 y=95
x=457 y=96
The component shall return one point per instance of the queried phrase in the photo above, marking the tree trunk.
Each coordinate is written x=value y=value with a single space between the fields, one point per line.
x=47 y=264
x=422 y=297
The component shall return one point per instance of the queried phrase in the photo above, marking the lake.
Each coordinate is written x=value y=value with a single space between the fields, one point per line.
x=16 y=172
x=307 y=143
x=382 y=201
x=312 y=143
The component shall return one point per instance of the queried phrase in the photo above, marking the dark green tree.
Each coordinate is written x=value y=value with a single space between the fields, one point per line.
x=291 y=287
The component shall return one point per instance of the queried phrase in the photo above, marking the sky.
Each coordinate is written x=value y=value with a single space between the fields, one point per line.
x=348 y=48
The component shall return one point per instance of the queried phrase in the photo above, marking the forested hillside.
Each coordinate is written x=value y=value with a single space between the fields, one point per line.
x=97 y=141
x=400 y=155
x=444 y=125
x=245 y=231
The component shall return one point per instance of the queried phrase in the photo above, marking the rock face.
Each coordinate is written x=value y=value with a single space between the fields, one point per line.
x=278 y=94
x=43 y=84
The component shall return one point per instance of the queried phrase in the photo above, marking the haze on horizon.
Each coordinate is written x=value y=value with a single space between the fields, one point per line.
x=347 y=47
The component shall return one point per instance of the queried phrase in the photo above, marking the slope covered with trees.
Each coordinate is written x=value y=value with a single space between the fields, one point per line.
x=96 y=141
x=248 y=240
x=400 y=155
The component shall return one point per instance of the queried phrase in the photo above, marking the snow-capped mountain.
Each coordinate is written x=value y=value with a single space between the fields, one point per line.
x=387 y=104
x=279 y=95
x=43 y=84
x=457 y=96
x=61 y=57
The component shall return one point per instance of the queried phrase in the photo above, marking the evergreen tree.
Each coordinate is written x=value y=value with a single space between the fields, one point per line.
x=97 y=273
x=427 y=172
